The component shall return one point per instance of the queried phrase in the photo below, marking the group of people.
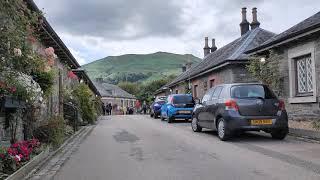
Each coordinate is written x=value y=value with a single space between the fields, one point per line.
x=107 y=109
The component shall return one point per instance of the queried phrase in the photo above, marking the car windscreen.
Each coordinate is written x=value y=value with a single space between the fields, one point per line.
x=183 y=100
x=251 y=91
x=160 y=102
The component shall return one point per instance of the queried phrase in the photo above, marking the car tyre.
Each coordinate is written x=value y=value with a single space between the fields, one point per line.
x=223 y=132
x=279 y=134
x=195 y=126
x=151 y=115
x=155 y=116
x=162 y=118
x=170 y=119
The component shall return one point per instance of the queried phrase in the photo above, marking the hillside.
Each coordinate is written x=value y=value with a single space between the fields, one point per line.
x=138 y=68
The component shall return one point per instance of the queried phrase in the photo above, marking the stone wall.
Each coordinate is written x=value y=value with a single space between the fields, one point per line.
x=303 y=110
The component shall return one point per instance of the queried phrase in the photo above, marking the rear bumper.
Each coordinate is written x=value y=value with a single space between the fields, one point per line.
x=176 y=113
x=238 y=122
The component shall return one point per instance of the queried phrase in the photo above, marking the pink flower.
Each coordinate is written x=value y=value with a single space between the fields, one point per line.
x=71 y=75
x=49 y=52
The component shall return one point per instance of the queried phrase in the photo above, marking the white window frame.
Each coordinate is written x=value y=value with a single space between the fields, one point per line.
x=294 y=54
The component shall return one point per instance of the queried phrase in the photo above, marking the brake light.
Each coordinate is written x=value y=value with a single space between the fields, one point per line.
x=282 y=105
x=231 y=105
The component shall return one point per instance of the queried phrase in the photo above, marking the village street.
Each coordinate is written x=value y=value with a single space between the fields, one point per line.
x=137 y=147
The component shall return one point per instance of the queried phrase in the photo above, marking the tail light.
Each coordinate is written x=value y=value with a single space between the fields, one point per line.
x=282 y=105
x=231 y=105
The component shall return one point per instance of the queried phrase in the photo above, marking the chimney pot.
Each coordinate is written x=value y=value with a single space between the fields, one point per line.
x=214 y=47
x=255 y=23
x=206 y=49
x=244 y=25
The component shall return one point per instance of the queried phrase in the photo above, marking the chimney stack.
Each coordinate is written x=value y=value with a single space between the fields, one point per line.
x=206 y=49
x=184 y=68
x=214 y=47
x=255 y=23
x=244 y=25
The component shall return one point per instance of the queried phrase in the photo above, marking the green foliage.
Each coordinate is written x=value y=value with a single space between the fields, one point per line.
x=53 y=132
x=130 y=87
x=86 y=101
x=267 y=72
x=147 y=90
x=18 y=25
x=138 y=68
x=45 y=80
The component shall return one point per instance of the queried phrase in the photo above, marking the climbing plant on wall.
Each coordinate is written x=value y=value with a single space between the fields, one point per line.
x=266 y=70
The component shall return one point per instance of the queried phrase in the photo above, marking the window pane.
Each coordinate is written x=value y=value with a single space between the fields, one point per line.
x=217 y=92
x=309 y=74
x=251 y=91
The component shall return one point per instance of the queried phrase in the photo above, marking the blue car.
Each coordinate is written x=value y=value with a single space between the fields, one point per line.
x=178 y=106
x=155 y=108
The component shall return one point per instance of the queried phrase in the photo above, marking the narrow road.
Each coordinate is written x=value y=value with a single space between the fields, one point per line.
x=140 y=148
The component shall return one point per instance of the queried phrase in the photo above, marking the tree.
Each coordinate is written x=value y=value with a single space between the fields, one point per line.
x=130 y=87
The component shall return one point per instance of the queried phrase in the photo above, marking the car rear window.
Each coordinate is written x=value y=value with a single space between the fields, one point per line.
x=183 y=100
x=161 y=102
x=251 y=91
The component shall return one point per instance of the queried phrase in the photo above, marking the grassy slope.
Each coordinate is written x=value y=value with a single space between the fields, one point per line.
x=156 y=64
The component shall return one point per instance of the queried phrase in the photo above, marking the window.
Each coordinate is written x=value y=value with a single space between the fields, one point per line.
x=211 y=83
x=304 y=75
x=251 y=91
x=217 y=92
x=207 y=96
x=177 y=91
x=195 y=91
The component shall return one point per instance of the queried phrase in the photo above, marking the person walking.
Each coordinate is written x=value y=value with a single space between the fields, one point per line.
x=144 y=108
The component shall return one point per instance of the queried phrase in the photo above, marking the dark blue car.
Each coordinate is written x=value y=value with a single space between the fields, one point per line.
x=155 y=108
x=178 y=106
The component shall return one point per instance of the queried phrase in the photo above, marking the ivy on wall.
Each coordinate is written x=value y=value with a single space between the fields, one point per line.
x=266 y=69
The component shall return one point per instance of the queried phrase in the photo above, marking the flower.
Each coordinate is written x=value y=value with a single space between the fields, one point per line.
x=17 y=52
x=71 y=75
x=49 y=52
x=13 y=89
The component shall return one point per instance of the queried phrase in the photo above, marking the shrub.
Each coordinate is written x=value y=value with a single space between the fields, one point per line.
x=86 y=102
x=53 y=132
x=316 y=125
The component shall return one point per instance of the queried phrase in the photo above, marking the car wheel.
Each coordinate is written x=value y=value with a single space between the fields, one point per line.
x=279 y=134
x=223 y=134
x=155 y=116
x=170 y=119
x=151 y=115
x=162 y=118
x=195 y=126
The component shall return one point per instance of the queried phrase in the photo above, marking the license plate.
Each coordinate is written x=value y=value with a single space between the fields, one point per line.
x=261 y=122
x=184 y=112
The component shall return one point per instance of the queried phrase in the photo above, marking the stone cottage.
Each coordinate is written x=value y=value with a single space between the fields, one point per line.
x=63 y=62
x=224 y=65
x=113 y=94
x=298 y=52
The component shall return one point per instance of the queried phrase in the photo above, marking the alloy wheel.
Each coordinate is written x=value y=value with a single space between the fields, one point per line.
x=221 y=129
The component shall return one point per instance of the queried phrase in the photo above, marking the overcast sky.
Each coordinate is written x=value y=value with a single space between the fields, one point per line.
x=93 y=29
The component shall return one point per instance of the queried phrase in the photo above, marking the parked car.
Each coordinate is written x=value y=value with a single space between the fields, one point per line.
x=232 y=108
x=177 y=106
x=155 y=108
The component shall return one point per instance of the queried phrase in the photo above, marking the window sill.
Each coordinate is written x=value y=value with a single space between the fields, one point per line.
x=308 y=99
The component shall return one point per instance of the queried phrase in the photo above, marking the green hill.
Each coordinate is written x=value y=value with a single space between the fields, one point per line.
x=138 y=68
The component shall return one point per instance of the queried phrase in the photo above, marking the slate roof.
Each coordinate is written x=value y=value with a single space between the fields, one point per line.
x=110 y=90
x=231 y=52
x=306 y=25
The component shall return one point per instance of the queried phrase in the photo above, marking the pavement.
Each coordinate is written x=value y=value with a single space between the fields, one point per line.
x=138 y=147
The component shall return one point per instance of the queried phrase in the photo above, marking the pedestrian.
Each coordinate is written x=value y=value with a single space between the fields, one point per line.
x=103 y=109
x=110 y=108
x=144 y=108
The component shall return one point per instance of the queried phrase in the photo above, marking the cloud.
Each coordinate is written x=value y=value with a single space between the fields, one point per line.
x=98 y=28
x=116 y=19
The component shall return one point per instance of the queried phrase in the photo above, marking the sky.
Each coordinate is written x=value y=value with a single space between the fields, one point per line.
x=94 y=29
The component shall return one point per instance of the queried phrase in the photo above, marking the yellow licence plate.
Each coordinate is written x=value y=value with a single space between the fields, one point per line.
x=184 y=112
x=261 y=122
